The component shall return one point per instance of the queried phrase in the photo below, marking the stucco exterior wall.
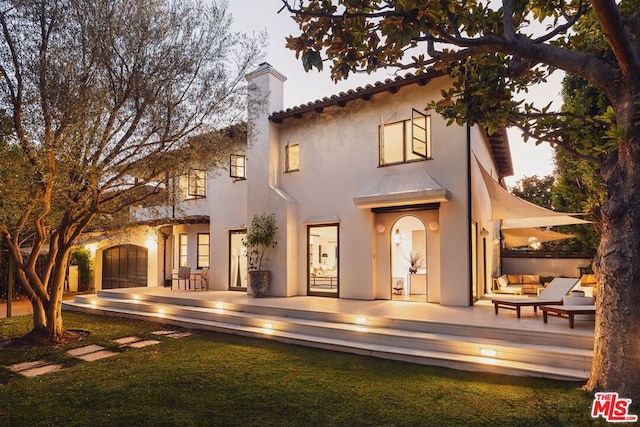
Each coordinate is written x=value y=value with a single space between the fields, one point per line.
x=488 y=247
x=339 y=159
x=143 y=237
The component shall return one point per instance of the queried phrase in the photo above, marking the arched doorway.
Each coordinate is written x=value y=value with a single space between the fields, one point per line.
x=409 y=259
x=124 y=266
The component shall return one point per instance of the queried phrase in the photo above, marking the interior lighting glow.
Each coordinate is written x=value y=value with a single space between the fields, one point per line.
x=92 y=248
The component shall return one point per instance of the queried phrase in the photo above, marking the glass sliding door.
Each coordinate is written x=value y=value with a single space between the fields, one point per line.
x=323 y=256
x=237 y=261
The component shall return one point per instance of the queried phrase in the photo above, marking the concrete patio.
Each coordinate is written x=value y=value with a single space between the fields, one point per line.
x=470 y=338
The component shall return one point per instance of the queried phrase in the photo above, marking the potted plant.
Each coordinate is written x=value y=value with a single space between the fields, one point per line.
x=416 y=260
x=260 y=237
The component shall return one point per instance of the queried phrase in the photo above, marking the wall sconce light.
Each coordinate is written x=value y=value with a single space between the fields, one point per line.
x=397 y=238
x=434 y=226
x=151 y=243
x=380 y=228
x=484 y=233
x=92 y=247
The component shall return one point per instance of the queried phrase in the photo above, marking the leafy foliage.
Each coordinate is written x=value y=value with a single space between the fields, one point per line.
x=535 y=190
x=566 y=193
x=260 y=237
x=490 y=51
x=106 y=99
x=82 y=258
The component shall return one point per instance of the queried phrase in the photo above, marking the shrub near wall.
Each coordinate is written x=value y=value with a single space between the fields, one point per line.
x=82 y=258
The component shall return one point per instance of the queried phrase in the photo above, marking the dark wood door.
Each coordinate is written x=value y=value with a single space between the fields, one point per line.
x=124 y=266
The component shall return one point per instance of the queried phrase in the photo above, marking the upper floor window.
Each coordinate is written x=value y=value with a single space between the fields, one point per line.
x=292 y=158
x=197 y=186
x=238 y=166
x=406 y=141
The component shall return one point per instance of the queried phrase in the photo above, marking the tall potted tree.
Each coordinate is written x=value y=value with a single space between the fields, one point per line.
x=260 y=237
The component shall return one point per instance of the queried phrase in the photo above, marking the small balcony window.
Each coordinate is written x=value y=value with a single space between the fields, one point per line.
x=292 y=161
x=238 y=167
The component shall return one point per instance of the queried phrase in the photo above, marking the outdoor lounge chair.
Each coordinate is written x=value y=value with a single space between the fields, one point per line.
x=551 y=295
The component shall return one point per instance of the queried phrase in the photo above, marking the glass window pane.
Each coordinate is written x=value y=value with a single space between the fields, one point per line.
x=392 y=143
x=419 y=142
x=323 y=256
x=237 y=167
x=409 y=142
x=237 y=260
x=197 y=183
x=182 y=250
x=203 y=250
x=293 y=157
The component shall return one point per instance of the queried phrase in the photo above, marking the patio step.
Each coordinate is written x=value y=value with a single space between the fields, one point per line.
x=385 y=338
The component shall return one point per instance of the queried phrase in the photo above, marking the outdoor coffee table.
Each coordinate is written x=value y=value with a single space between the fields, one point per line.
x=566 y=311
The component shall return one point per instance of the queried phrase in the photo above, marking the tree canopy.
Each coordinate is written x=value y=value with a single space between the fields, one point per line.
x=105 y=98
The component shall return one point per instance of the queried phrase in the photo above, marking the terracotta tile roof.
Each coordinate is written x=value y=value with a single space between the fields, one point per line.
x=158 y=222
x=366 y=92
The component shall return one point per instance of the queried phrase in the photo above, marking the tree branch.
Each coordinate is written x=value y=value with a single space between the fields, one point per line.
x=608 y=15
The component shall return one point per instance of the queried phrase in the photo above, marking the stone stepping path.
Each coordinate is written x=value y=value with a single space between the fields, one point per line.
x=135 y=342
x=34 y=368
x=90 y=353
x=172 y=334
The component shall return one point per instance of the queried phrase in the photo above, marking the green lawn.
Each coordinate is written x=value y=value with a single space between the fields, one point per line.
x=218 y=379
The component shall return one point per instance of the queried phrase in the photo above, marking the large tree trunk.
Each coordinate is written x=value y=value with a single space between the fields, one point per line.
x=47 y=315
x=616 y=362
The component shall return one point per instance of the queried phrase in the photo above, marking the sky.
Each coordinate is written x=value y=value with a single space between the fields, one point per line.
x=255 y=16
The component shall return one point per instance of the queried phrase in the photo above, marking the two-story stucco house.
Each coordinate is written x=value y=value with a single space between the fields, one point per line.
x=360 y=183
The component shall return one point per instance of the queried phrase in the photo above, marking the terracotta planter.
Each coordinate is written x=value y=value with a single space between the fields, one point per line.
x=259 y=283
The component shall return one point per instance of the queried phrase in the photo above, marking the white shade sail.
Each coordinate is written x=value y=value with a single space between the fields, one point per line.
x=518 y=213
x=521 y=236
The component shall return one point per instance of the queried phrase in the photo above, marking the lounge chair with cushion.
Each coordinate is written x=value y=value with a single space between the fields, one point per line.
x=551 y=295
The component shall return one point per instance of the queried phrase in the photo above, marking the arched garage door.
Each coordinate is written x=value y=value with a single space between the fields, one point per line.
x=124 y=266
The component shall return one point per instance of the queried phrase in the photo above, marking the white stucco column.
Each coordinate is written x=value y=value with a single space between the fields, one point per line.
x=264 y=169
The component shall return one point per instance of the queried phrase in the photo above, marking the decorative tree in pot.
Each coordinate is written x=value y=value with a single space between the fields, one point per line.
x=416 y=261
x=260 y=237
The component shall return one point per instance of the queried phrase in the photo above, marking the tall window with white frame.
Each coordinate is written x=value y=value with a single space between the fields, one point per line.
x=203 y=250
x=182 y=250
x=292 y=157
x=238 y=167
x=405 y=141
